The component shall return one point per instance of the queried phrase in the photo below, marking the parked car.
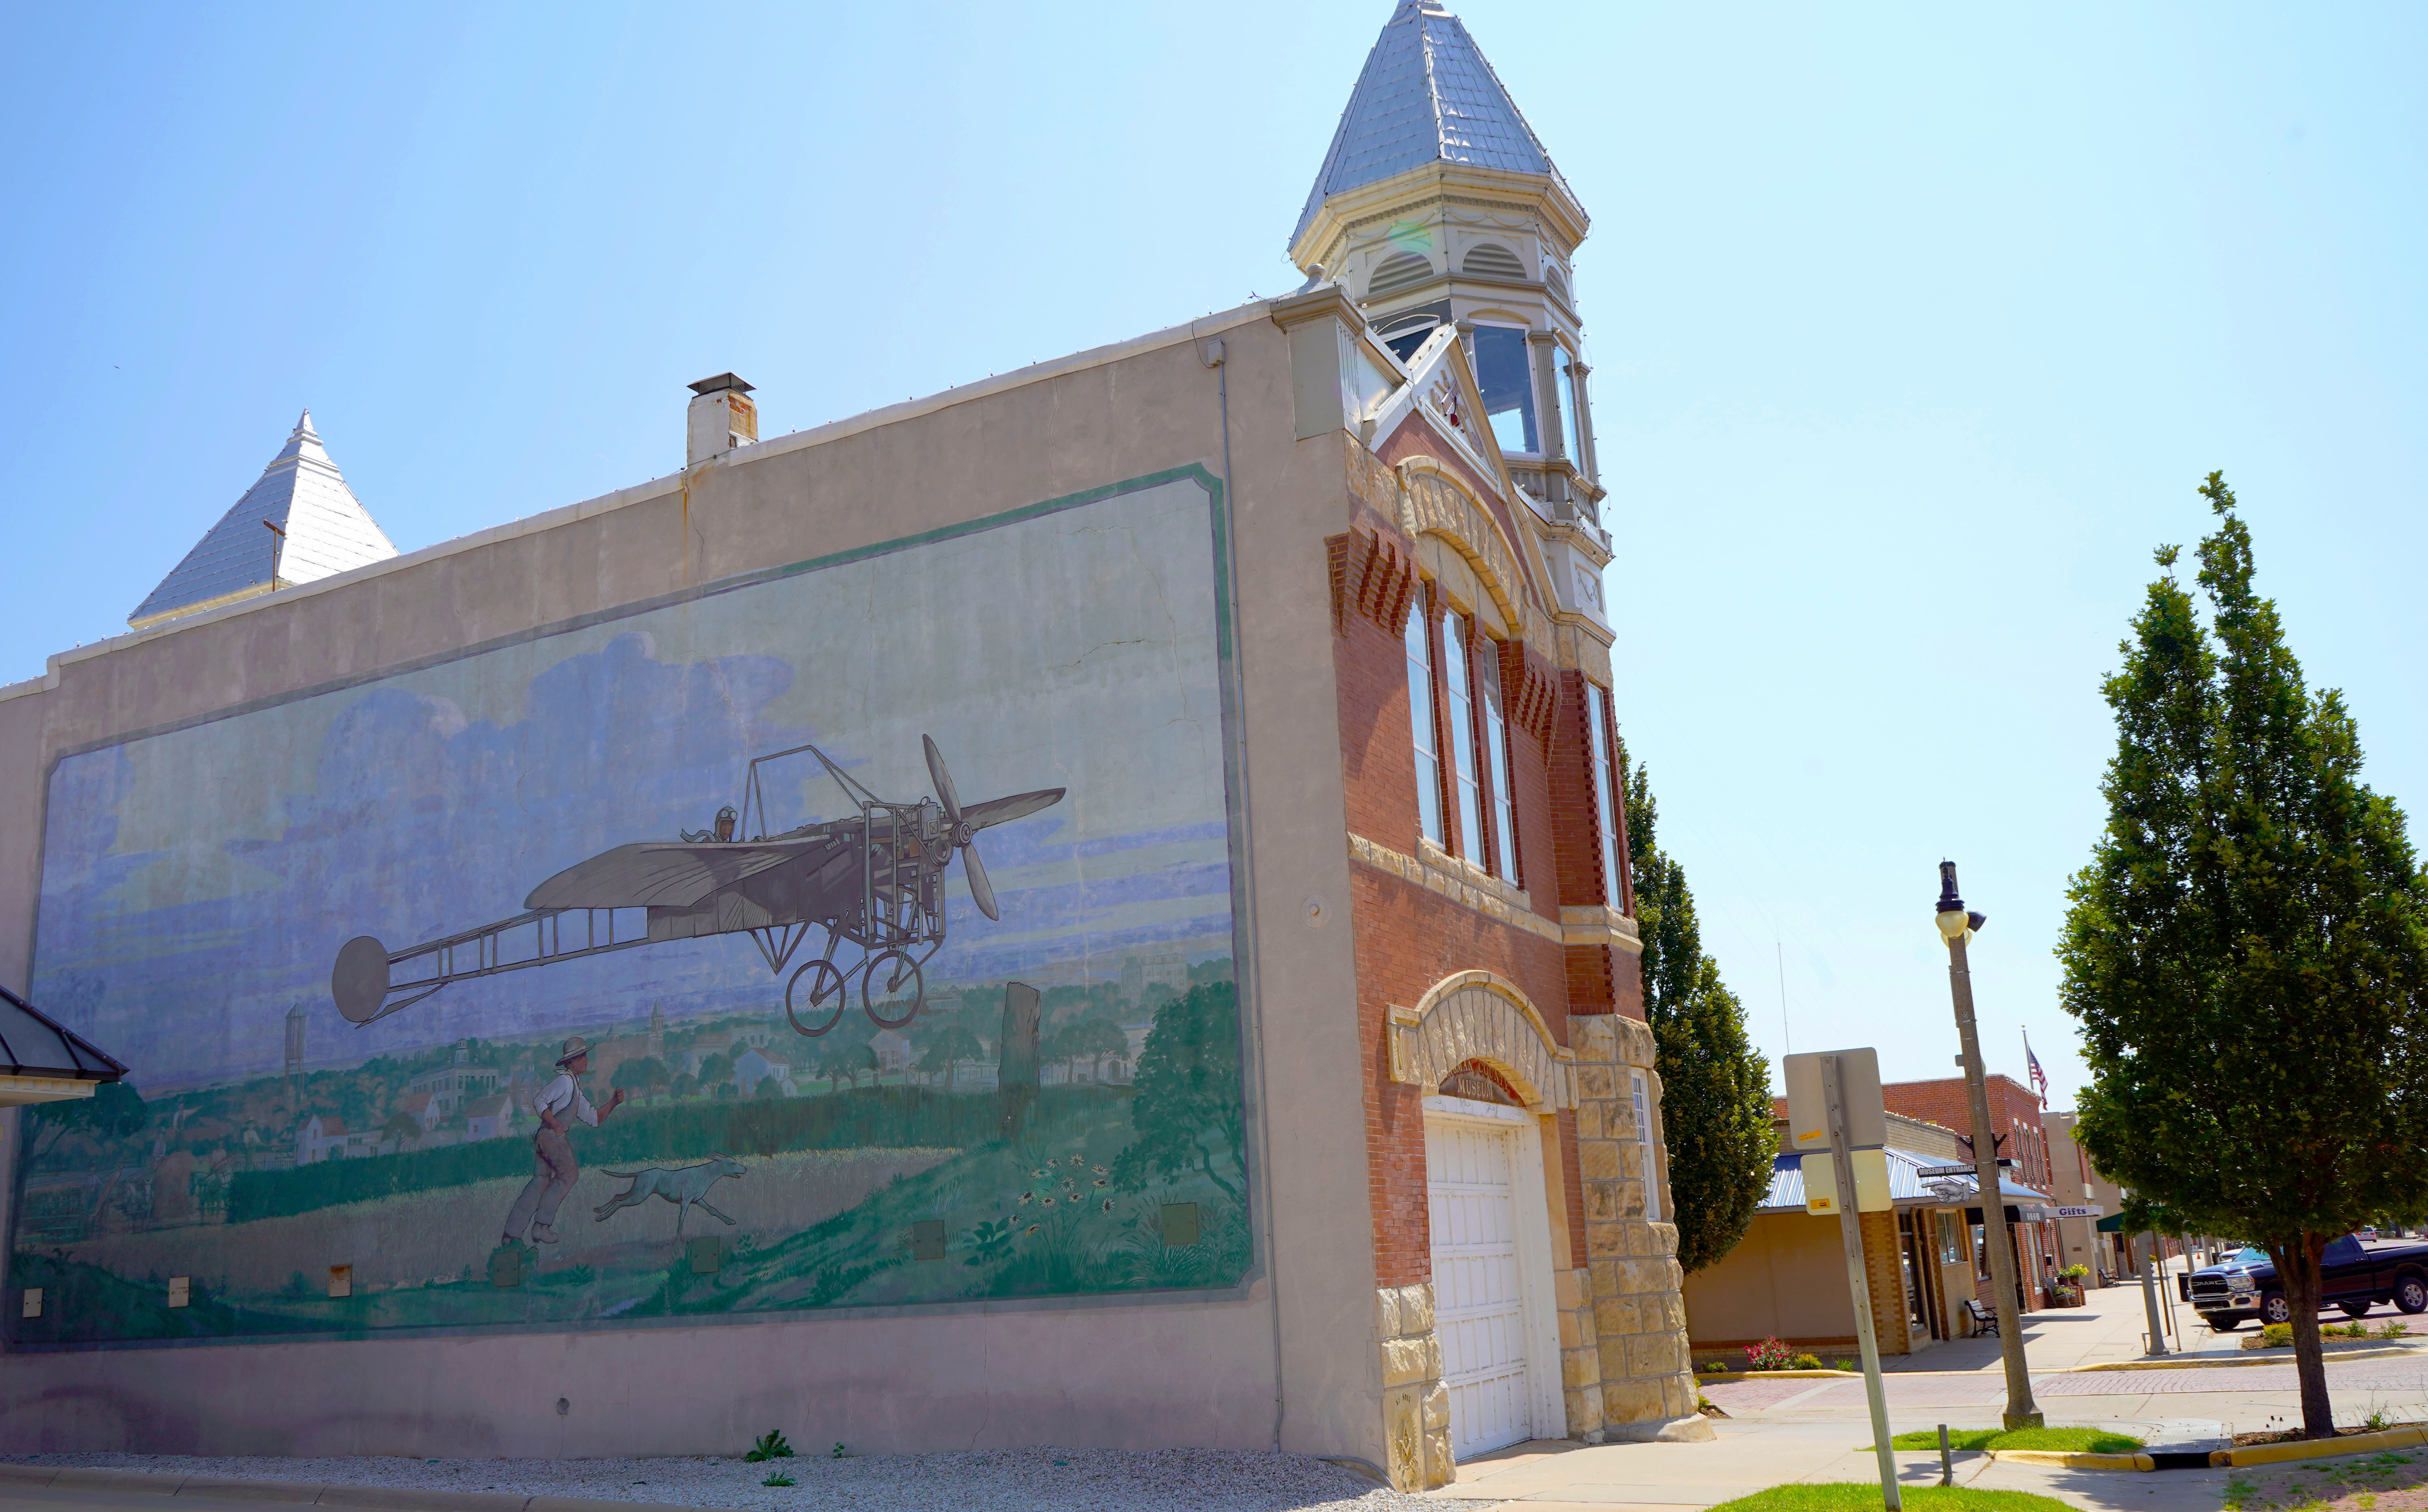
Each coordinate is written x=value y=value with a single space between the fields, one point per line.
x=2354 y=1277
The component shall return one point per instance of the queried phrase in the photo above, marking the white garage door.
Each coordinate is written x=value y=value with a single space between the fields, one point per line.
x=1479 y=1306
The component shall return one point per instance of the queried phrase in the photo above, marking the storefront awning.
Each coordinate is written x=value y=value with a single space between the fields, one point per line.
x=41 y=1063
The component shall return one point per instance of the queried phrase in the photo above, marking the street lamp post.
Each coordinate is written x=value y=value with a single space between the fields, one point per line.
x=1956 y=925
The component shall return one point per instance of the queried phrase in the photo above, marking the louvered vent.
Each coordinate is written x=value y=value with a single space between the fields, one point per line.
x=1400 y=271
x=1492 y=260
x=1559 y=286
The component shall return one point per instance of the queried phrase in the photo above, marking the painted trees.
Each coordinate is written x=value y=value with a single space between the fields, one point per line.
x=2247 y=951
x=1187 y=1103
x=1715 y=1084
x=844 y=1065
x=952 y=1045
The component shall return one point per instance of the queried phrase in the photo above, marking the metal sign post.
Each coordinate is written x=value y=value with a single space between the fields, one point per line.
x=1850 y=1234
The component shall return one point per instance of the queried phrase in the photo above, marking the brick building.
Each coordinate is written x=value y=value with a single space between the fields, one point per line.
x=2015 y=1122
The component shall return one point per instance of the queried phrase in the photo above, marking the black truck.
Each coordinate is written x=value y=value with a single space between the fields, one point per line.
x=2355 y=1277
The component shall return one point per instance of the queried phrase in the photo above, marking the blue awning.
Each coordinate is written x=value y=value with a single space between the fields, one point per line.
x=1907 y=1188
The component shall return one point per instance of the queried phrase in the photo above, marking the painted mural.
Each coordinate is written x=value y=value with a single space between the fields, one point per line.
x=856 y=935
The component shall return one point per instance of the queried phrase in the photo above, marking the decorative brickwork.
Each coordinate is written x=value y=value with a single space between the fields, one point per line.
x=1373 y=577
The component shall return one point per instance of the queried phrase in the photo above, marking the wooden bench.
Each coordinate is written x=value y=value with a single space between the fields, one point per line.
x=1985 y=1320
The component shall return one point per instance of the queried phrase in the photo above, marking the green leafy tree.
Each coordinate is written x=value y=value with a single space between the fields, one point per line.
x=1715 y=1084
x=715 y=1067
x=952 y=1045
x=2247 y=951
x=1187 y=1102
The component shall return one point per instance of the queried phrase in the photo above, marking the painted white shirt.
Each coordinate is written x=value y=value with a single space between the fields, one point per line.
x=562 y=1096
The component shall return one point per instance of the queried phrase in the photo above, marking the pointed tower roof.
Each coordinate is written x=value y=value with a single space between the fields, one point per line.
x=1426 y=95
x=302 y=492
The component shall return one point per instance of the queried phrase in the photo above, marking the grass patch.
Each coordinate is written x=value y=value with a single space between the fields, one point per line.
x=2072 y=1441
x=1852 y=1496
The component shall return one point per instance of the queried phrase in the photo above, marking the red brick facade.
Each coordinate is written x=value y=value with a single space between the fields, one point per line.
x=1409 y=937
x=2014 y=1117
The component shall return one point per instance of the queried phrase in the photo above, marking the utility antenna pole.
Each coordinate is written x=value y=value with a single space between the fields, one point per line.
x=1785 y=1033
x=1956 y=925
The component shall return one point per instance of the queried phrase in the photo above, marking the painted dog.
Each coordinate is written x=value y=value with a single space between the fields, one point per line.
x=686 y=1186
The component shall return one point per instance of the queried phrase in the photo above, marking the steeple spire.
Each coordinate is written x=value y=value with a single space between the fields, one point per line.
x=1437 y=206
x=1426 y=95
x=316 y=528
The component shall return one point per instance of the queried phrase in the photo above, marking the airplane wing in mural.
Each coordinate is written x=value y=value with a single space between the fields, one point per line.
x=655 y=874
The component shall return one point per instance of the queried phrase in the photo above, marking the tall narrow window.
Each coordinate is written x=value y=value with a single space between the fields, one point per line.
x=1605 y=800
x=1507 y=381
x=1462 y=735
x=1644 y=1136
x=1496 y=750
x=1420 y=722
x=1571 y=422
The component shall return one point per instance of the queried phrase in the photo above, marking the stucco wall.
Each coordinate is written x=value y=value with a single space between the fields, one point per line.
x=1287 y=1359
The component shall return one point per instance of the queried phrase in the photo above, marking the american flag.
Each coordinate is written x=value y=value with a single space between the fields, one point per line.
x=2039 y=1078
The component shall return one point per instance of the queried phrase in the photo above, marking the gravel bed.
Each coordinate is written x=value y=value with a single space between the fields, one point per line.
x=1005 y=1480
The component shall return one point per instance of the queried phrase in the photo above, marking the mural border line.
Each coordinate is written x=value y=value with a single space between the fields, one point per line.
x=1226 y=661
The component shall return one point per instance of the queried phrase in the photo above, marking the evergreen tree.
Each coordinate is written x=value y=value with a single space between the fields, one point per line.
x=2247 y=951
x=1714 y=1085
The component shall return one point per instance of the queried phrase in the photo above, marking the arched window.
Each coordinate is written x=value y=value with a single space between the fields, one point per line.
x=1489 y=260
x=1496 y=751
x=1395 y=273
x=1420 y=722
x=1405 y=335
x=1455 y=665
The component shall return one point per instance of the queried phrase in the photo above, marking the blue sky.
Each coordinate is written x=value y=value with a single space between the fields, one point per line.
x=1914 y=333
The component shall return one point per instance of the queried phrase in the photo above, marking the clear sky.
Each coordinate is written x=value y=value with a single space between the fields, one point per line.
x=1913 y=331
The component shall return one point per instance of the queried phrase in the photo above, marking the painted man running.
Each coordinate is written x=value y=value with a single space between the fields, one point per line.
x=558 y=1106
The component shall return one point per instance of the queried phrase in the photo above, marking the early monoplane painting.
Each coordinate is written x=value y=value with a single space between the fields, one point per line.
x=859 y=935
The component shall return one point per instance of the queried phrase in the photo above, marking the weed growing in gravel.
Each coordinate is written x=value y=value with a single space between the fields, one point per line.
x=771 y=1445
x=779 y=1478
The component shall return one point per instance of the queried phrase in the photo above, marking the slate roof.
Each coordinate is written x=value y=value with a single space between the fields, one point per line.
x=1426 y=95
x=328 y=531
x=33 y=1046
x=1905 y=1183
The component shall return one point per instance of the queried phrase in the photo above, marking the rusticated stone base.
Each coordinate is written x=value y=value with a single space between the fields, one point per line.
x=1632 y=1274
x=1416 y=1404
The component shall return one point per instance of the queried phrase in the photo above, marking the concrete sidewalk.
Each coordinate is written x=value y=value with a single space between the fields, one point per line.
x=1816 y=1429
x=1557 y=1476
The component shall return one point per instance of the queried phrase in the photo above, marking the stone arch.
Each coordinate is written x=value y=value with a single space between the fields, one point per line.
x=1475 y=1015
x=1432 y=501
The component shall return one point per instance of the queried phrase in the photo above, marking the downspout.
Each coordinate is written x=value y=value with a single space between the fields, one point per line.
x=1215 y=353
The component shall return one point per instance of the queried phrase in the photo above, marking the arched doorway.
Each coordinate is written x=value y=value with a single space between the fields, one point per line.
x=1489 y=1219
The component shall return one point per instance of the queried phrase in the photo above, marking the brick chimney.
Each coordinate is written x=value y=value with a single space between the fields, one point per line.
x=721 y=418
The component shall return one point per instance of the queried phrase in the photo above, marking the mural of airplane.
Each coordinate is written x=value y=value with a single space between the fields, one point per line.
x=873 y=883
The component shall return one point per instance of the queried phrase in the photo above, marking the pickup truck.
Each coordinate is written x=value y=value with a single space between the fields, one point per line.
x=2355 y=1277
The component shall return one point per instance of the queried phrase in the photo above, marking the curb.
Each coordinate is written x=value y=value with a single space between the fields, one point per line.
x=2178 y=1363
x=2070 y=1459
x=389 y=1498
x=2360 y=1443
x=1777 y=1375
